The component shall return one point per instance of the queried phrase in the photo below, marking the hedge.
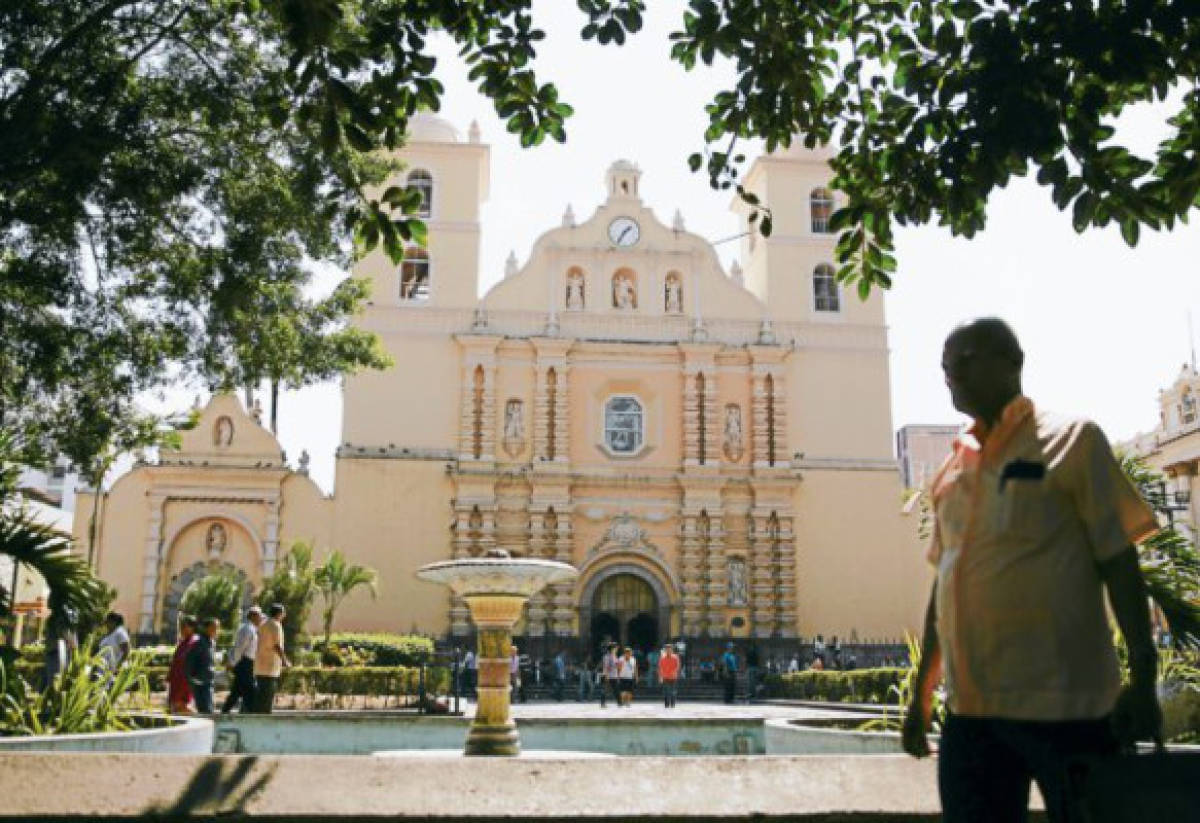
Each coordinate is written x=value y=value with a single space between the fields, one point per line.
x=857 y=686
x=360 y=680
x=362 y=649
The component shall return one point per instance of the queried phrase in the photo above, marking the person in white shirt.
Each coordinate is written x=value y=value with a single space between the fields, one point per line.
x=241 y=663
x=470 y=672
x=115 y=645
x=269 y=660
x=627 y=675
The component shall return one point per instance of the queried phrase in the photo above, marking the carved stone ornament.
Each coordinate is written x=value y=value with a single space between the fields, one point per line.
x=215 y=541
x=223 y=432
x=514 y=427
x=623 y=534
x=733 y=433
x=739 y=594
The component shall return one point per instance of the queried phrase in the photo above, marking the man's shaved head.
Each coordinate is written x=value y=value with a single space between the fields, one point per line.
x=982 y=362
x=993 y=335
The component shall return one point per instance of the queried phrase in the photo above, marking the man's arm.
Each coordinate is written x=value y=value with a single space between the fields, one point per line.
x=1137 y=715
x=279 y=648
x=929 y=672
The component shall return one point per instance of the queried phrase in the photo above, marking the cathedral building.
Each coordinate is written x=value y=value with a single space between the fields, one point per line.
x=711 y=449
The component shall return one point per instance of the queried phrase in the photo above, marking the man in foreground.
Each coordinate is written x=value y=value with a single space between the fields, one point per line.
x=1033 y=520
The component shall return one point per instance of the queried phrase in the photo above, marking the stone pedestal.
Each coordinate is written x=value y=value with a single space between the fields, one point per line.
x=493 y=731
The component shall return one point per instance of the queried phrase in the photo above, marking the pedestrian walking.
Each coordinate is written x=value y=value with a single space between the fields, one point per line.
x=1034 y=521
x=201 y=667
x=586 y=676
x=179 y=690
x=627 y=670
x=608 y=676
x=560 y=675
x=270 y=659
x=668 y=673
x=241 y=663
x=729 y=670
x=115 y=646
x=470 y=672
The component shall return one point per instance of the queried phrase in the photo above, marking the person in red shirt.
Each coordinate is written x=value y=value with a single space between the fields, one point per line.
x=668 y=673
x=179 y=691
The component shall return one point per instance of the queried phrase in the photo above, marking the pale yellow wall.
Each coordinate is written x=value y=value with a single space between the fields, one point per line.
x=856 y=384
x=122 y=538
x=860 y=566
x=394 y=516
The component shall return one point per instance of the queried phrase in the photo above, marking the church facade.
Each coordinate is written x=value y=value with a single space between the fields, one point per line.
x=711 y=449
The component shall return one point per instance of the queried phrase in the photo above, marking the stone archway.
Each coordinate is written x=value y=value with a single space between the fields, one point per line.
x=178 y=585
x=660 y=613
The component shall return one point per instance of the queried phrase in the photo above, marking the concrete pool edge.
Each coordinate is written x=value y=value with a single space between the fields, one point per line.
x=335 y=788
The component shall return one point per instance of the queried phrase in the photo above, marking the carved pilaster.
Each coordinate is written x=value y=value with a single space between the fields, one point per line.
x=271 y=541
x=151 y=563
x=691 y=574
x=691 y=416
x=785 y=616
x=712 y=424
x=762 y=584
x=759 y=423
x=460 y=547
x=715 y=591
x=564 y=607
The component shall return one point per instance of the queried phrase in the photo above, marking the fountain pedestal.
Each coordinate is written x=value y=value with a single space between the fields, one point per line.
x=495 y=588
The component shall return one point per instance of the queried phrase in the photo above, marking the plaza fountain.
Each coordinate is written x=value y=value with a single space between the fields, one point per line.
x=495 y=588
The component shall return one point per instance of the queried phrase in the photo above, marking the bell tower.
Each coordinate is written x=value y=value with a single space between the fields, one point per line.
x=794 y=270
x=622 y=180
x=452 y=175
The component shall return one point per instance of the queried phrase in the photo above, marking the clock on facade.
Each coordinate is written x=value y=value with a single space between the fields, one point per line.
x=624 y=231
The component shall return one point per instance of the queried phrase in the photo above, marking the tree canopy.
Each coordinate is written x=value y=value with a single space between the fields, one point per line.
x=167 y=169
x=931 y=105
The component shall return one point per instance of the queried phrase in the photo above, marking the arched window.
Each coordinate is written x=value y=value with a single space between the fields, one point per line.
x=820 y=204
x=422 y=181
x=623 y=424
x=825 y=290
x=414 y=274
x=1188 y=407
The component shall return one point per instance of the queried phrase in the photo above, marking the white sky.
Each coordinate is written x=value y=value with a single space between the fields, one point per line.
x=1104 y=327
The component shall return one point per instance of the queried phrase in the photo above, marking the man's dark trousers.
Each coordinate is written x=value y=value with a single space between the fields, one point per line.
x=729 y=680
x=243 y=687
x=264 y=694
x=985 y=765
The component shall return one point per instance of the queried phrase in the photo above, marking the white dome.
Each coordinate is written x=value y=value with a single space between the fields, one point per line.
x=424 y=127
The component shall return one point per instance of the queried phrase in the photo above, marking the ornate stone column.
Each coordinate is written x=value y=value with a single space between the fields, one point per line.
x=762 y=586
x=564 y=605
x=691 y=573
x=271 y=540
x=536 y=613
x=785 y=590
x=691 y=415
x=151 y=562
x=716 y=590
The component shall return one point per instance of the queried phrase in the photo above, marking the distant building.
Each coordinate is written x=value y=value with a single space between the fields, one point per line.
x=53 y=484
x=920 y=449
x=1173 y=446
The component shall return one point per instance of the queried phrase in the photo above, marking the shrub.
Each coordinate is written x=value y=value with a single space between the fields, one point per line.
x=376 y=649
x=363 y=680
x=858 y=686
x=213 y=596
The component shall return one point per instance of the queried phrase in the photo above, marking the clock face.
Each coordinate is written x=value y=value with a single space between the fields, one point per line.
x=624 y=231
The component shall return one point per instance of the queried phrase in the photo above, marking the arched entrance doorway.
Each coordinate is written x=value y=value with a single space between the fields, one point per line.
x=625 y=609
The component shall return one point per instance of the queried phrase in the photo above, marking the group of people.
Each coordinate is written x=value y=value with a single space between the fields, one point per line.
x=256 y=662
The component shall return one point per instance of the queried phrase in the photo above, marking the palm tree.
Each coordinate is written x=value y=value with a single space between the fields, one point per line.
x=335 y=579
x=74 y=590
x=1170 y=563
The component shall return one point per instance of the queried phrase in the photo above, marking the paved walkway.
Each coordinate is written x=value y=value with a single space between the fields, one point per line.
x=710 y=711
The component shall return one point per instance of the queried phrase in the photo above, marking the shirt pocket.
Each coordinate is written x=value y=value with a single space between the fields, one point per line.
x=1026 y=509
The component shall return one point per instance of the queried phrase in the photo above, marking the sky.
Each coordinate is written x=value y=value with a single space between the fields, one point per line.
x=1104 y=327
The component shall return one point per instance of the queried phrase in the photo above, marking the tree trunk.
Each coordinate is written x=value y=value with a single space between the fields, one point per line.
x=94 y=522
x=274 y=405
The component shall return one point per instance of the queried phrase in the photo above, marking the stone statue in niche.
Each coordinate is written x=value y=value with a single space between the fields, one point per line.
x=223 y=432
x=739 y=594
x=733 y=432
x=514 y=427
x=304 y=459
x=674 y=296
x=215 y=541
x=575 y=291
x=624 y=295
